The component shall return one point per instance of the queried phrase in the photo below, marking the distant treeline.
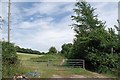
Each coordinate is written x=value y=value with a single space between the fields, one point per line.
x=29 y=51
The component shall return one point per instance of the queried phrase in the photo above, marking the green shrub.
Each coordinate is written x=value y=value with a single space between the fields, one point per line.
x=9 y=59
x=8 y=53
x=118 y=70
x=104 y=62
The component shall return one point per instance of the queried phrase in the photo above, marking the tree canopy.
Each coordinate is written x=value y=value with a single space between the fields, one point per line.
x=99 y=47
x=52 y=50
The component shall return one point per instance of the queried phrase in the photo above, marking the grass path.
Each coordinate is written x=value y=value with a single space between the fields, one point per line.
x=29 y=65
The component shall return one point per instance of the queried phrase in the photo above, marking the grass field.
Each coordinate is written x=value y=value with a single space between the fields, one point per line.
x=38 y=64
x=24 y=56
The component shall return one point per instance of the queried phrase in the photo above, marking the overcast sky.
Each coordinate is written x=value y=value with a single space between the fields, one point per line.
x=40 y=25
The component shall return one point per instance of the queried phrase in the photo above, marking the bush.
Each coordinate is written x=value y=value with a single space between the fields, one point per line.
x=118 y=70
x=9 y=53
x=9 y=59
x=103 y=62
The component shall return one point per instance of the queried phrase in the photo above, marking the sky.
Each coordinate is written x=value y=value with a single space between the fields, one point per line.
x=40 y=25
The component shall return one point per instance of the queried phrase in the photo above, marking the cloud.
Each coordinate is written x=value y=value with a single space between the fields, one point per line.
x=42 y=25
x=4 y=11
x=60 y=0
x=41 y=32
x=107 y=11
x=46 y=35
x=48 y=8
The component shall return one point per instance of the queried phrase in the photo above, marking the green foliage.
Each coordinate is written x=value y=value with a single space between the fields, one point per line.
x=9 y=70
x=99 y=48
x=85 y=19
x=8 y=53
x=118 y=70
x=66 y=49
x=52 y=50
x=117 y=49
x=86 y=25
x=9 y=59
x=103 y=61
x=29 y=51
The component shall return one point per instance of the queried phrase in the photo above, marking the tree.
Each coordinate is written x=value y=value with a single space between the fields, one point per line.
x=52 y=50
x=85 y=19
x=92 y=42
x=66 y=49
x=86 y=23
x=28 y=51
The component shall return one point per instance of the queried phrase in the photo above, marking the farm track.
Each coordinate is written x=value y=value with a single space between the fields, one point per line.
x=54 y=71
